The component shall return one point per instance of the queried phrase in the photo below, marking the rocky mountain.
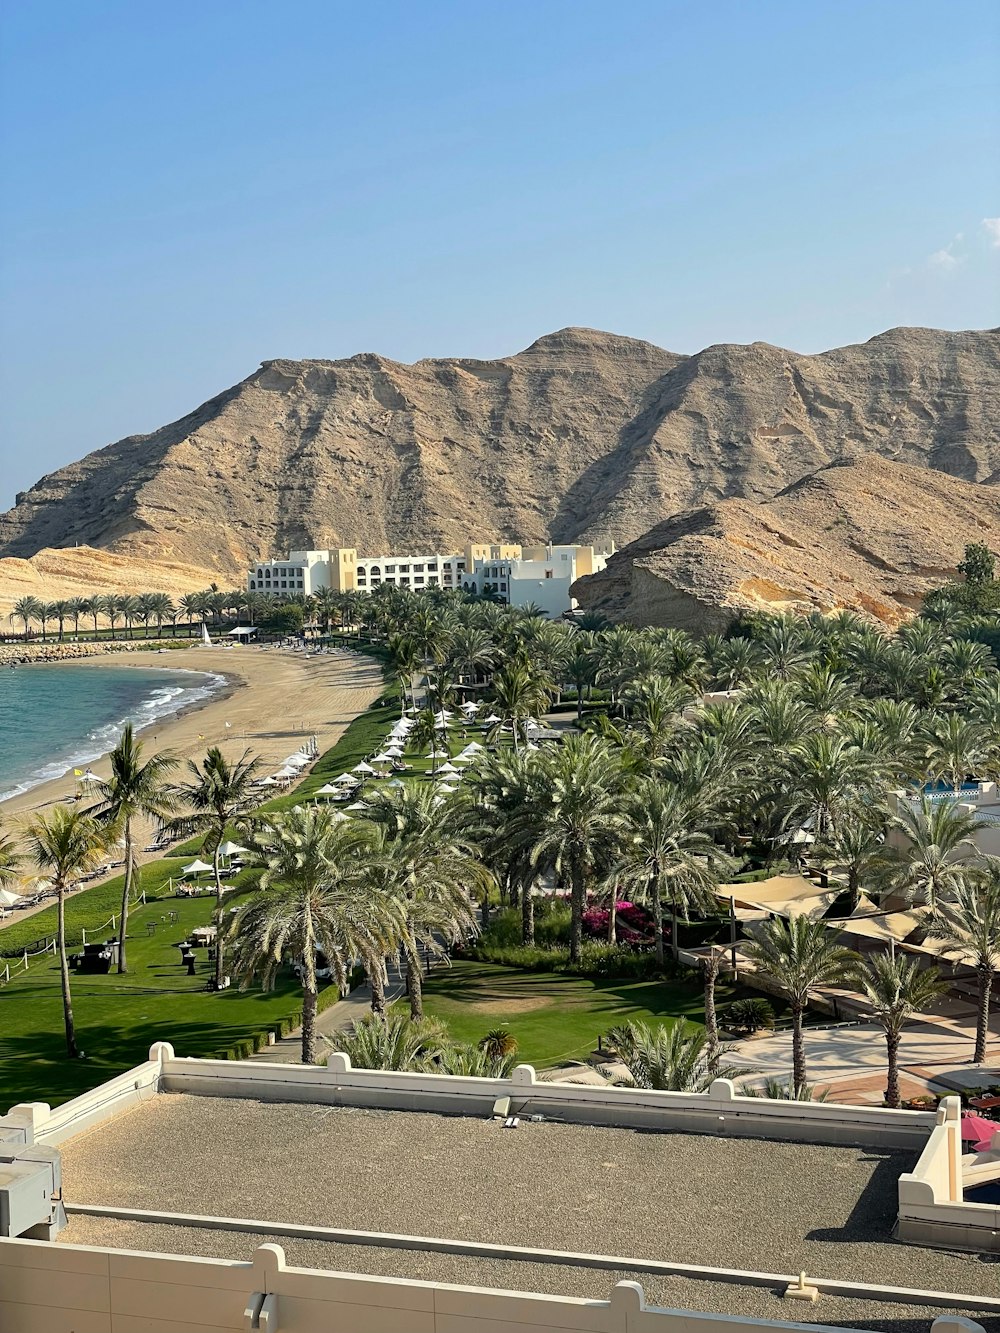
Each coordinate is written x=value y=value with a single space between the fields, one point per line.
x=584 y=435
x=870 y=535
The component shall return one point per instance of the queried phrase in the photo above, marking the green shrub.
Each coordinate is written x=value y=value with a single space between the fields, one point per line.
x=596 y=959
x=749 y=1015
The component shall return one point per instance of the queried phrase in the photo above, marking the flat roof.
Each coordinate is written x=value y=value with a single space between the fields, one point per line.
x=743 y=1203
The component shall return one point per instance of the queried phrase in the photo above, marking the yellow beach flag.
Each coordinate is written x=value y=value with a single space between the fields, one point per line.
x=78 y=772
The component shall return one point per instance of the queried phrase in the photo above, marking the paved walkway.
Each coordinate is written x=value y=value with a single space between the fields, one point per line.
x=288 y=1050
x=853 y=1058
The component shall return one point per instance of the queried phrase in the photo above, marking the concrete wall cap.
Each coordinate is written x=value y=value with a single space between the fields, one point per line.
x=523 y=1075
x=160 y=1051
x=338 y=1063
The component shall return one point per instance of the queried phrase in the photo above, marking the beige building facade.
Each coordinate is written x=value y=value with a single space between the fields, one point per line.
x=519 y=575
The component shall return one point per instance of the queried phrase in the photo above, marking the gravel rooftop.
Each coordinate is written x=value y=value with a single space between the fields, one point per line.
x=732 y=1203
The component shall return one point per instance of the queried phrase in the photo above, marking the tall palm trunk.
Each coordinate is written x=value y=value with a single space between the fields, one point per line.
x=675 y=947
x=711 y=970
x=67 y=997
x=309 y=1020
x=613 y=916
x=654 y=893
x=798 y=1047
x=218 y=913
x=527 y=913
x=892 y=1078
x=414 y=983
x=126 y=896
x=983 y=1017
x=377 y=983
x=309 y=992
x=578 y=903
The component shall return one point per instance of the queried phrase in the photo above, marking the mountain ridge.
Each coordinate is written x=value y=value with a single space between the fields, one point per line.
x=583 y=435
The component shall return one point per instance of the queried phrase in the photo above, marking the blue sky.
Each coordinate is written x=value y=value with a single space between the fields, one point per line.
x=188 y=189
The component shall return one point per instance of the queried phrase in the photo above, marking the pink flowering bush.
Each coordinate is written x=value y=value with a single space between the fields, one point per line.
x=634 y=924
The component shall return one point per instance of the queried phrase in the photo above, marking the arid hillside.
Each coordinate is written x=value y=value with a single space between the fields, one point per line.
x=870 y=535
x=584 y=435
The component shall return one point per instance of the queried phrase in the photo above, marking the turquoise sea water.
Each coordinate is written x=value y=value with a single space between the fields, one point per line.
x=56 y=717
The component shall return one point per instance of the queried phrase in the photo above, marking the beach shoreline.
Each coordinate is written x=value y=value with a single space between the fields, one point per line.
x=269 y=700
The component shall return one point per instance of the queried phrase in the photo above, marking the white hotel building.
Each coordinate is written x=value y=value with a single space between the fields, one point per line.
x=518 y=575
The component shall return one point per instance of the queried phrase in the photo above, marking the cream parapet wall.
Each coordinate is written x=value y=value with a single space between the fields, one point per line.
x=55 y=1288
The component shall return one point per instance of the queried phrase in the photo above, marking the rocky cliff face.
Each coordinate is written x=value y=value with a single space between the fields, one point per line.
x=870 y=535
x=584 y=435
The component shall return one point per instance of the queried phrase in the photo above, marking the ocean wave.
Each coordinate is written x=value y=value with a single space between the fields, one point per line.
x=162 y=701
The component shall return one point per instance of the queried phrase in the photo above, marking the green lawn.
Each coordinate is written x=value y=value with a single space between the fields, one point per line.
x=119 y=1017
x=554 y=1017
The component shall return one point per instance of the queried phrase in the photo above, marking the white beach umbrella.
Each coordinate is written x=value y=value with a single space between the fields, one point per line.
x=8 y=899
x=231 y=849
x=327 y=789
x=298 y=760
x=363 y=768
x=448 y=768
x=287 y=773
x=473 y=747
x=338 y=816
x=396 y=783
x=197 y=868
x=357 y=805
x=383 y=758
x=266 y=782
x=531 y=725
x=447 y=787
x=469 y=706
x=348 y=779
x=492 y=718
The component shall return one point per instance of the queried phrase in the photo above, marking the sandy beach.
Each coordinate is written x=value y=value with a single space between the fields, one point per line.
x=274 y=699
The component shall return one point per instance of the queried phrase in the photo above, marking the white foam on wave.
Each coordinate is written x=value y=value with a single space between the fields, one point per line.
x=162 y=701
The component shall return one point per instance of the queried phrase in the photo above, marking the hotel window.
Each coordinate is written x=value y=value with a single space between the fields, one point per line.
x=404 y=569
x=390 y=569
x=418 y=578
x=432 y=578
x=418 y=569
x=375 y=570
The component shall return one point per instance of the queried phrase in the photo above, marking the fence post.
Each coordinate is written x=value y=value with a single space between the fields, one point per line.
x=83 y=930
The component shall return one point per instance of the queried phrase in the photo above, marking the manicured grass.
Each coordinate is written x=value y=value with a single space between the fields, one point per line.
x=555 y=1018
x=119 y=1017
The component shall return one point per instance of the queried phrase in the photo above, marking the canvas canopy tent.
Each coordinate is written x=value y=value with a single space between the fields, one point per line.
x=782 y=895
x=197 y=868
x=8 y=899
x=327 y=789
x=243 y=632
x=869 y=922
x=231 y=849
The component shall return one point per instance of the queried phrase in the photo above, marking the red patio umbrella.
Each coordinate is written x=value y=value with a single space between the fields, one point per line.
x=978 y=1130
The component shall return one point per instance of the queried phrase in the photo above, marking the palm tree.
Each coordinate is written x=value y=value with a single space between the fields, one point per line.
x=191 y=604
x=829 y=771
x=667 y=1058
x=26 y=609
x=93 y=607
x=393 y=1042
x=970 y=924
x=66 y=844
x=666 y=857
x=938 y=846
x=518 y=694
x=799 y=956
x=896 y=987
x=426 y=862
x=217 y=795
x=957 y=747
x=855 y=845
x=131 y=611
x=61 y=611
x=9 y=859
x=711 y=965
x=315 y=896
x=111 y=606
x=576 y=823
x=407 y=660
x=134 y=790
x=75 y=608
x=46 y=612
x=501 y=787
